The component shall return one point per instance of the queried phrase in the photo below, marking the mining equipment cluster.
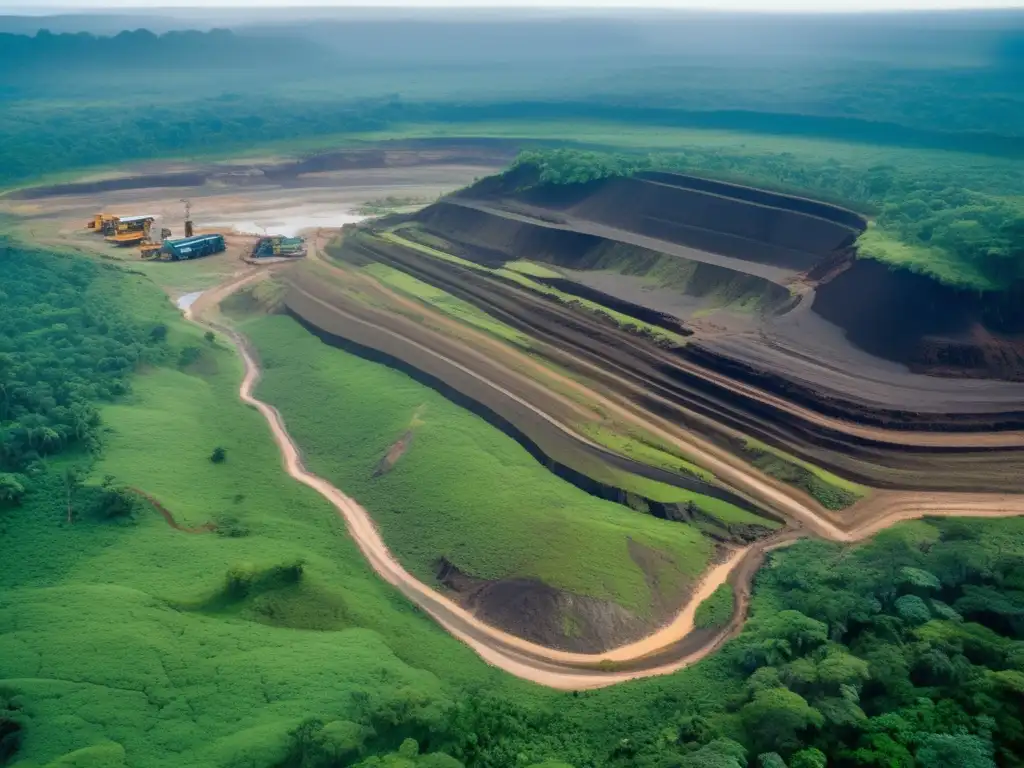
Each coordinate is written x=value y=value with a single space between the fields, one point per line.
x=125 y=231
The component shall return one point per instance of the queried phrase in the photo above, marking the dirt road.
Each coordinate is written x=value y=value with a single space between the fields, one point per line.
x=660 y=653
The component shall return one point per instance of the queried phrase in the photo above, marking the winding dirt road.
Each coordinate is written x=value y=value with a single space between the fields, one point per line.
x=662 y=652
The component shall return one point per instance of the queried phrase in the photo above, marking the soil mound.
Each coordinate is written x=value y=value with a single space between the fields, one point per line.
x=535 y=611
x=929 y=327
x=492 y=238
x=728 y=219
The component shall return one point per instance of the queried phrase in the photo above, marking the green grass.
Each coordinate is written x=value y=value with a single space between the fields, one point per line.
x=445 y=302
x=820 y=472
x=643 y=449
x=463 y=490
x=831 y=490
x=93 y=635
x=531 y=268
x=123 y=646
x=936 y=263
x=716 y=610
x=627 y=445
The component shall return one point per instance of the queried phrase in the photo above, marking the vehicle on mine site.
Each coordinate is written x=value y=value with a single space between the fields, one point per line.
x=194 y=247
x=122 y=230
x=279 y=246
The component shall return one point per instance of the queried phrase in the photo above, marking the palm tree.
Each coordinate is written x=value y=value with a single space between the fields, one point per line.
x=73 y=478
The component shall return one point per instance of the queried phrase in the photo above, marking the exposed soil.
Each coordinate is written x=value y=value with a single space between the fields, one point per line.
x=395 y=452
x=701 y=400
x=855 y=341
x=398 y=154
x=169 y=516
x=534 y=611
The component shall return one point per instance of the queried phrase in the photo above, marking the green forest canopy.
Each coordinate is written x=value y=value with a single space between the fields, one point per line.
x=961 y=227
x=66 y=343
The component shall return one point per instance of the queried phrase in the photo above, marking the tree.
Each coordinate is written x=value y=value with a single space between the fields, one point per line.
x=721 y=753
x=11 y=489
x=808 y=758
x=118 y=500
x=940 y=750
x=409 y=749
x=219 y=455
x=776 y=719
x=210 y=337
x=912 y=609
x=73 y=479
x=771 y=760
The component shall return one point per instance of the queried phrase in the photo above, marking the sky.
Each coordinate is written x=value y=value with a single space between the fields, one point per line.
x=723 y=5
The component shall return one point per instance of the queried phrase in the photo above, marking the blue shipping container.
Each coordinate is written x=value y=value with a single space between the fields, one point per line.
x=194 y=247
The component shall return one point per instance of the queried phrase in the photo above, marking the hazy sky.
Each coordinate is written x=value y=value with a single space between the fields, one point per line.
x=758 y=5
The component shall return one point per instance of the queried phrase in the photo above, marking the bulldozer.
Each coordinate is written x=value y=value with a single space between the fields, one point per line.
x=131 y=230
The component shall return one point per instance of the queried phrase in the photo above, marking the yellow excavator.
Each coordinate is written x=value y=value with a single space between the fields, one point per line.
x=103 y=223
x=131 y=230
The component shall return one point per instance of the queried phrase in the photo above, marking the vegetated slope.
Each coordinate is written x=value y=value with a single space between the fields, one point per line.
x=462 y=504
x=225 y=659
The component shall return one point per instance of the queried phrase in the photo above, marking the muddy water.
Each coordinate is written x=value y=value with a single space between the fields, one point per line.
x=186 y=301
x=289 y=222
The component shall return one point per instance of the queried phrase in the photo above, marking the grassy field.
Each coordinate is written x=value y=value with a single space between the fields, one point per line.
x=123 y=633
x=123 y=644
x=627 y=441
x=462 y=490
x=717 y=609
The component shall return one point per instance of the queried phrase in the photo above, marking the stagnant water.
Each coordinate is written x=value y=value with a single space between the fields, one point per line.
x=289 y=223
x=186 y=301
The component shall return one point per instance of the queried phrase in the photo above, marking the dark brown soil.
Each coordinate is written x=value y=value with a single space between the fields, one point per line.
x=168 y=516
x=880 y=314
x=686 y=394
x=532 y=610
x=932 y=328
x=744 y=223
x=395 y=452
x=383 y=155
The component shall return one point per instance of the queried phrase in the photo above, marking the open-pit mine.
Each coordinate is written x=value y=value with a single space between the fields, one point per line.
x=710 y=354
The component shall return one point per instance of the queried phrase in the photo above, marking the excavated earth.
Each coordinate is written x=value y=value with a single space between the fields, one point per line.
x=794 y=340
x=884 y=377
x=305 y=172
